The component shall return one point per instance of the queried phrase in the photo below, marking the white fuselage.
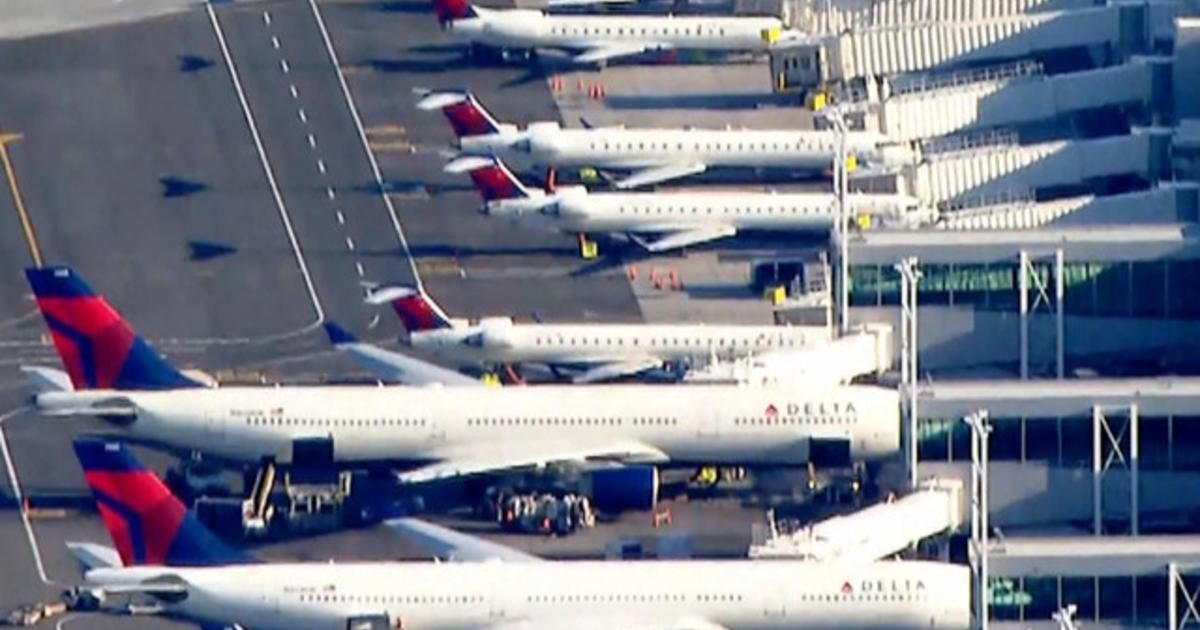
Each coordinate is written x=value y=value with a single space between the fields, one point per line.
x=576 y=210
x=547 y=144
x=690 y=423
x=734 y=595
x=528 y=29
x=498 y=340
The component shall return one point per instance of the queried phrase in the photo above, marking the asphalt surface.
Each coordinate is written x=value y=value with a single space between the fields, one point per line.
x=139 y=168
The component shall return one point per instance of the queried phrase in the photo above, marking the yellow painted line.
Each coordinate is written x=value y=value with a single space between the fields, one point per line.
x=26 y=224
x=386 y=130
x=398 y=145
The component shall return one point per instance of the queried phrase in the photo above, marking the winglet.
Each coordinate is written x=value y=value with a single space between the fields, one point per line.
x=338 y=335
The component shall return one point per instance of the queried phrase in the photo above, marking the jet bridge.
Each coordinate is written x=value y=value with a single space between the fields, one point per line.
x=878 y=531
x=1018 y=93
x=996 y=165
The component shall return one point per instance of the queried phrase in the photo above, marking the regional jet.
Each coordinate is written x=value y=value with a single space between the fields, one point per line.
x=655 y=155
x=595 y=352
x=597 y=39
x=663 y=221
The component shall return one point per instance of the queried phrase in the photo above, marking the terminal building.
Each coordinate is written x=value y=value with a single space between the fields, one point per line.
x=1054 y=301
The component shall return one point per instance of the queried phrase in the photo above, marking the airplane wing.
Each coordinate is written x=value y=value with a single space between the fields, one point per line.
x=657 y=174
x=613 y=51
x=394 y=366
x=613 y=370
x=446 y=543
x=501 y=457
x=683 y=238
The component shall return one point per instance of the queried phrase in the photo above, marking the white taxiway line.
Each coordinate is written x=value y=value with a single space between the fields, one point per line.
x=362 y=136
x=15 y=483
x=266 y=164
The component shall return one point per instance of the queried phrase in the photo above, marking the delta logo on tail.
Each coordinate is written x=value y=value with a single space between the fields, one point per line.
x=148 y=525
x=467 y=119
x=98 y=348
x=450 y=10
x=416 y=311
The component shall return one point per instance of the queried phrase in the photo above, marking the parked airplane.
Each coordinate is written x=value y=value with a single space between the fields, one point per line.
x=654 y=155
x=164 y=553
x=597 y=351
x=600 y=38
x=429 y=433
x=663 y=221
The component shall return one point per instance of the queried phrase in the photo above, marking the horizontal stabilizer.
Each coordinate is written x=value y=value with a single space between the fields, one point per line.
x=44 y=379
x=438 y=100
x=659 y=174
x=446 y=543
x=94 y=556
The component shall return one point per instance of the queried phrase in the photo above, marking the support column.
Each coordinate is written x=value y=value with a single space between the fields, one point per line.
x=1060 y=323
x=1134 y=470
x=1023 y=300
x=1097 y=421
x=1172 y=596
x=980 y=429
x=910 y=276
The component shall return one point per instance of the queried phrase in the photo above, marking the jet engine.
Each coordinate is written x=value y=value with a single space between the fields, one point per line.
x=615 y=490
x=495 y=332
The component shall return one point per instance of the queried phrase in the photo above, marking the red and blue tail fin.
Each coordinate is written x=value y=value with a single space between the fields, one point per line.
x=492 y=178
x=416 y=310
x=148 y=525
x=450 y=10
x=97 y=347
x=467 y=117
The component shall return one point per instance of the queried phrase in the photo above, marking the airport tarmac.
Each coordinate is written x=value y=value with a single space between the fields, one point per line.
x=226 y=245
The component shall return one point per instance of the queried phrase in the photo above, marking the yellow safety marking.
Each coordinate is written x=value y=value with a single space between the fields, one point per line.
x=851 y=163
x=386 y=130
x=26 y=224
x=439 y=266
x=395 y=145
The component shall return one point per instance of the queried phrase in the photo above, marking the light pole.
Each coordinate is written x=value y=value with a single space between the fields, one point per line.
x=910 y=276
x=980 y=429
x=836 y=118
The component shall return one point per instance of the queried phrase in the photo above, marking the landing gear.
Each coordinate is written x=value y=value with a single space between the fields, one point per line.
x=588 y=250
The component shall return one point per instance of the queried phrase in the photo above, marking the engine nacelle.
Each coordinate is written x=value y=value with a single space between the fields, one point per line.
x=616 y=490
x=496 y=332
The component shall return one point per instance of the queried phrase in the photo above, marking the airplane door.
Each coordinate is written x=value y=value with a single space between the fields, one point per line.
x=214 y=427
x=775 y=602
x=437 y=433
x=709 y=425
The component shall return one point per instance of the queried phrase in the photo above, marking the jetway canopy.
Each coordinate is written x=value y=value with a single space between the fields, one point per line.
x=1096 y=244
x=1089 y=556
x=876 y=532
x=1014 y=398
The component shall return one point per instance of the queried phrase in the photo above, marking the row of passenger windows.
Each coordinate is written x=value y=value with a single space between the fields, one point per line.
x=792 y=420
x=598 y=598
x=800 y=145
x=569 y=422
x=392 y=599
x=665 y=342
x=630 y=598
x=621 y=30
x=334 y=422
x=806 y=210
